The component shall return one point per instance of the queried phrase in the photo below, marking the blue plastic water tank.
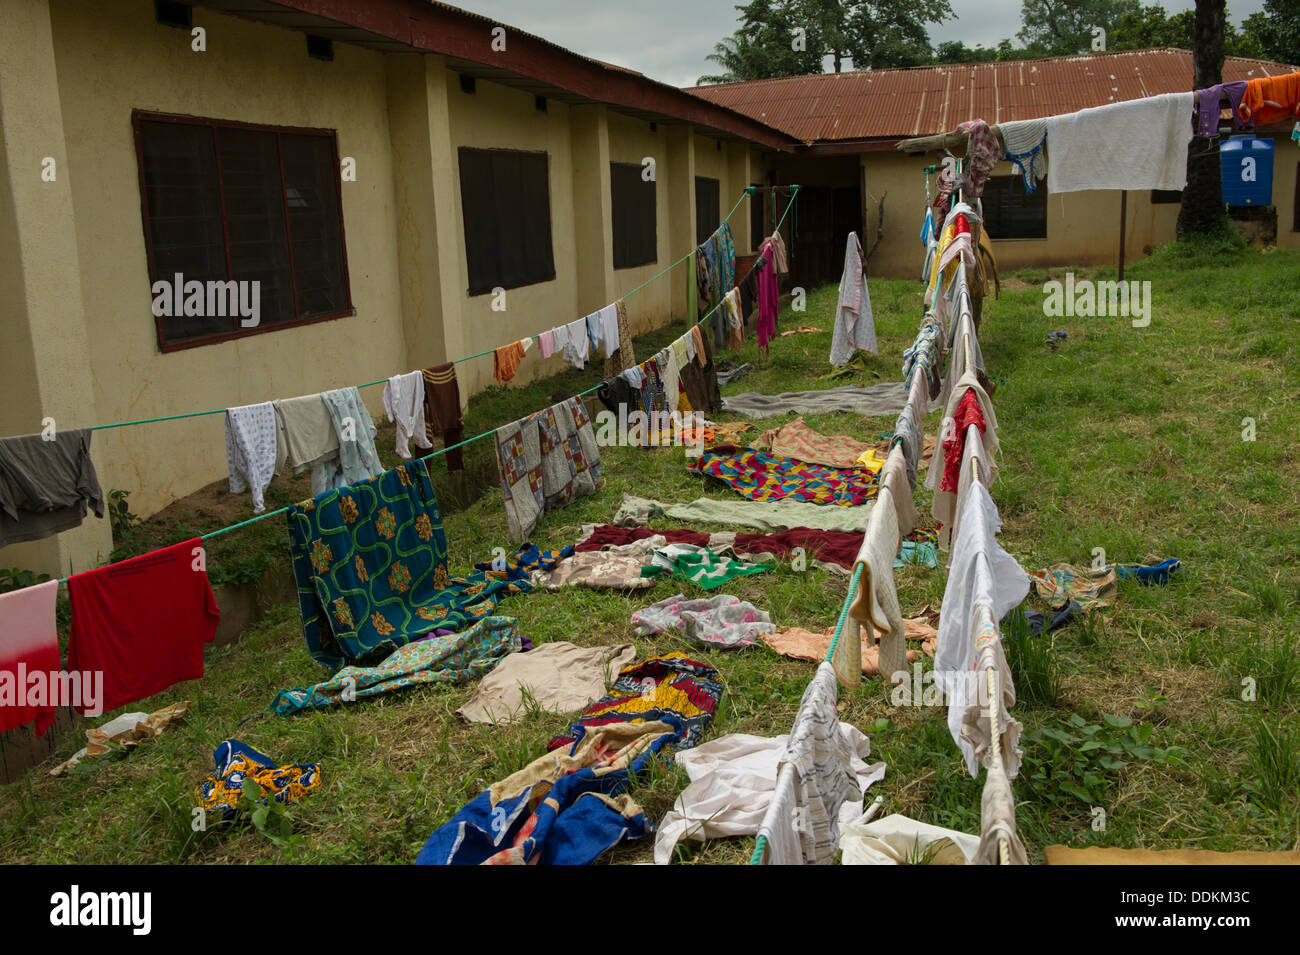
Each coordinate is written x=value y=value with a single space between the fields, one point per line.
x=1246 y=166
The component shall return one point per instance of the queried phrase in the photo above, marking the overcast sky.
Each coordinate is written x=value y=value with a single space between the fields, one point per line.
x=669 y=39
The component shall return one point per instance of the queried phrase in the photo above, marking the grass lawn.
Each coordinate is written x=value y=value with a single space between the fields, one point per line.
x=1125 y=439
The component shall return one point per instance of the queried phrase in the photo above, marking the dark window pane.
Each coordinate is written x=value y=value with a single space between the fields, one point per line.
x=259 y=248
x=315 y=223
x=632 y=203
x=708 y=212
x=1012 y=213
x=506 y=207
x=184 y=228
x=229 y=204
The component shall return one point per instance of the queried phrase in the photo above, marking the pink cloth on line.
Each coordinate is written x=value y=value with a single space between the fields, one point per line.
x=546 y=343
x=29 y=637
x=768 y=303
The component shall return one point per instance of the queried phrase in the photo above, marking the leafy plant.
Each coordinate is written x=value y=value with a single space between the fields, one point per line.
x=121 y=520
x=15 y=578
x=269 y=817
x=1073 y=760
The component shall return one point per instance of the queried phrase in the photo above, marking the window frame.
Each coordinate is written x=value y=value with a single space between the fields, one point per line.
x=471 y=290
x=1041 y=190
x=632 y=169
x=138 y=117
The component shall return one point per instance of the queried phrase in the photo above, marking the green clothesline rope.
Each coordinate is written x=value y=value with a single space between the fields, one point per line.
x=477 y=437
x=760 y=845
x=370 y=384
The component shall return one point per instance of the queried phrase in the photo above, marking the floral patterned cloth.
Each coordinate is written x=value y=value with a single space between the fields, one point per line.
x=455 y=658
x=722 y=621
x=797 y=440
x=222 y=791
x=371 y=564
x=762 y=477
x=672 y=687
x=546 y=460
x=982 y=154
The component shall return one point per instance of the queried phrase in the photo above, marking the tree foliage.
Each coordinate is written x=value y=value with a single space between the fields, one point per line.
x=794 y=37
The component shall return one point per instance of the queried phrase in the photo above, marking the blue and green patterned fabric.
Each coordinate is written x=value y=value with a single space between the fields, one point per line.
x=371 y=565
x=454 y=658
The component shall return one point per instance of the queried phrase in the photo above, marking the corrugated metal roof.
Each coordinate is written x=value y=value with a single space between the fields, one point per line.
x=919 y=101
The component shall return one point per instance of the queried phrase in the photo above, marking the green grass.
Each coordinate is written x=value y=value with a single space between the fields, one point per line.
x=1126 y=439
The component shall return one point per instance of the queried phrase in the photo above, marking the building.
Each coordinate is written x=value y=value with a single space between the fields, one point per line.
x=379 y=167
x=850 y=124
x=383 y=167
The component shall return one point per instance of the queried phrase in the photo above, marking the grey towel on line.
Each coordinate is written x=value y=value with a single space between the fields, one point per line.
x=45 y=486
x=885 y=399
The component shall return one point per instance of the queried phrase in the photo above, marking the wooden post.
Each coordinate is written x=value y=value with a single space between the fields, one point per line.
x=1123 y=228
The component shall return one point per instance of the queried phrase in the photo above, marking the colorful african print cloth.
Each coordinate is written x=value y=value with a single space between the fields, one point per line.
x=561 y=809
x=546 y=460
x=371 y=564
x=528 y=558
x=454 y=658
x=761 y=477
x=1062 y=583
x=223 y=790
x=699 y=565
x=672 y=686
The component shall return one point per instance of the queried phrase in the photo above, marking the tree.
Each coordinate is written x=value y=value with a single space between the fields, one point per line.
x=1152 y=27
x=763 y=48
x=1276 y=31
x=1064 y=27
x=793 y=37
x=1201 y=211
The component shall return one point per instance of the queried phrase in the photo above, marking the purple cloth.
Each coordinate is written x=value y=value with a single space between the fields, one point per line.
x=1208 y=103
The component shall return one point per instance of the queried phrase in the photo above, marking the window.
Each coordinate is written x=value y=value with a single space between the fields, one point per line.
x=230 y=202
x=1164 y=197
x=1012 y=213
x=708 y=212
x=632 y=200
x=756 y=221
x=506 y=204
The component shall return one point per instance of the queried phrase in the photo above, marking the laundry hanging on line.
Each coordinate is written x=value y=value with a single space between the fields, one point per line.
x=46 y=485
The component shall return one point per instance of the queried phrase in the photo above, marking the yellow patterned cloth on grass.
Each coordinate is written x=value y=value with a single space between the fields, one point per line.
x=222 y=791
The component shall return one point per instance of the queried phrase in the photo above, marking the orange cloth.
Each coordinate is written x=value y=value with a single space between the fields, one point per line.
x=800 y=644
x=1271 y=99
x=505 y=362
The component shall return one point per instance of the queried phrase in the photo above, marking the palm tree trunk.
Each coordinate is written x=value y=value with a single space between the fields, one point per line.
x=1201 y=210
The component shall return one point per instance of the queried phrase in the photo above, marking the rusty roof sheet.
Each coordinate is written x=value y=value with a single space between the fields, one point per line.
x=919 y=101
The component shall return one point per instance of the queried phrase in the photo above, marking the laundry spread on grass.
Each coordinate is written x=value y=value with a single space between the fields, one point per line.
x=722 y=622
x=1062 y=583
x=557 y=677
x=668 y=687
x=222 y=793
x=699 y=565
x=451 y=659
x=773 y=515
x=371 y=565
x=561 y=809
x=762 y=477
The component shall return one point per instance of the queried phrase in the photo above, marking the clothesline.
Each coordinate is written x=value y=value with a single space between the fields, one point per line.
x=478 y=437
x=370 y=384
x=760 y=845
